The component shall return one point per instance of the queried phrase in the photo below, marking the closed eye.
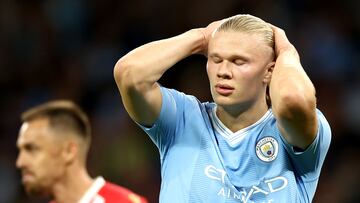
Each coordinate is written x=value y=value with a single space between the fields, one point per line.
x=31 y=147
x=239 y=62
x=216 y=59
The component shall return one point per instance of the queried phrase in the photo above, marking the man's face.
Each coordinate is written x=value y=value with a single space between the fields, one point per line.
x=39 y=158
x=237 y=68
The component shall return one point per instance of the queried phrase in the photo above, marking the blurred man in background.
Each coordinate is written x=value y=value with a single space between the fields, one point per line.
x=261 y=140
x=53 y=144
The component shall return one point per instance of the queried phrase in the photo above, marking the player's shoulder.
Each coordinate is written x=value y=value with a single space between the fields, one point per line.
x=109 y=186
x=178 y=95
x=111 y=191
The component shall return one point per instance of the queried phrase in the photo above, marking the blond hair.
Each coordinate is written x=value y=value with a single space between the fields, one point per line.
x=249 y=24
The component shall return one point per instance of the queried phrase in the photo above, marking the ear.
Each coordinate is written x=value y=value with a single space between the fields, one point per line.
x=268 y=72
x=70 y=152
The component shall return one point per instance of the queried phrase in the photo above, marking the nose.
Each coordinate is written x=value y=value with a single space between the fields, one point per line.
x=224 y=70
x=20 y=161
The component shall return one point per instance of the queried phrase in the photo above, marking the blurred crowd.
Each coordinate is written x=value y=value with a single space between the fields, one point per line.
x=66 y=49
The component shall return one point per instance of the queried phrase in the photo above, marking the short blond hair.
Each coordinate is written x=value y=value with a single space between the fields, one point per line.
x=249 y=24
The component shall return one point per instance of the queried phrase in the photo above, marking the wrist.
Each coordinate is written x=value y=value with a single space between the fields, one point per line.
x=200 y=41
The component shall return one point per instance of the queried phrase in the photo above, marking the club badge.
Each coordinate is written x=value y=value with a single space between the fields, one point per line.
x=267 y=149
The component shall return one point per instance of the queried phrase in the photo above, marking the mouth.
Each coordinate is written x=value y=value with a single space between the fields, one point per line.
x=27 y=177
x=224 y=89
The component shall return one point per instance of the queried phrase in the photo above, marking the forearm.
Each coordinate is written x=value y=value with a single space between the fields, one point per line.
x=290 y=87
x=292 y=94
x=146 y=64
x=293 y=101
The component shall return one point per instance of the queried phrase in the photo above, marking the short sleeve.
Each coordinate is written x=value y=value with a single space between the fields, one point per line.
x=308 y=163
x=163 y=130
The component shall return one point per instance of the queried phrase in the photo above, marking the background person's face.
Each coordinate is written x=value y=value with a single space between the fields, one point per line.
x=236 y=68
x=39 y=158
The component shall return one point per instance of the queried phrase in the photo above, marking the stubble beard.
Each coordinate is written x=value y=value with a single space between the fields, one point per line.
x=35 y=190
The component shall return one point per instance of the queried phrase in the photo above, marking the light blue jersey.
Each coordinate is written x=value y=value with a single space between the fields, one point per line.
x=203 y=161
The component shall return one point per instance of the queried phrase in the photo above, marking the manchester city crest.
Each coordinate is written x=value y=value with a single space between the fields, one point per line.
x=267 y=149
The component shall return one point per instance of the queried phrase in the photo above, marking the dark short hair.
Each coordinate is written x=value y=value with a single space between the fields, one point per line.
x=62 y=114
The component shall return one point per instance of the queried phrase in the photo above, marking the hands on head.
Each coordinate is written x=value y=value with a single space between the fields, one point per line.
x=207 y=32
x=282 y=44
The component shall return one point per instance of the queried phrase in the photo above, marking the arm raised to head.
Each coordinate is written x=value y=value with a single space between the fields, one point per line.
x=136 y=74
x=292 y=94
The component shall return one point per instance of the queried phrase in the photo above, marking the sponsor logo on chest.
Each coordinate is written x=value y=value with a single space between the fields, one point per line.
x=265 y=188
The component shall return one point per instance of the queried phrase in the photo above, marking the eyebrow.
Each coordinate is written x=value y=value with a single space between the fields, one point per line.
x=235 y=56
x=23 y=144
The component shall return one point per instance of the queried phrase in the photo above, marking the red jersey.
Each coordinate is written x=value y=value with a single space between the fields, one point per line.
x=105 y=192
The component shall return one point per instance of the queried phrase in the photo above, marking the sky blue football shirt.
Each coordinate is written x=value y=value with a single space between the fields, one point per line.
x=203 y=161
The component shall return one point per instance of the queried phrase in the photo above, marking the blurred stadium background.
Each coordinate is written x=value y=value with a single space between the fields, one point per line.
x=51 y=49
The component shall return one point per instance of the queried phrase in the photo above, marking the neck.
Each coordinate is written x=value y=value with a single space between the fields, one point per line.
x=73 y=186
x=237 y=118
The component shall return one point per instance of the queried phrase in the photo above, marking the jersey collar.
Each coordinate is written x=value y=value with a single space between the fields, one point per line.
x=234 y=138
x=95 y=187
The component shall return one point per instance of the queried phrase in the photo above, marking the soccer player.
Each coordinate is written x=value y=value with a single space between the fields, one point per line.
x=262 y=140
x=53 y=144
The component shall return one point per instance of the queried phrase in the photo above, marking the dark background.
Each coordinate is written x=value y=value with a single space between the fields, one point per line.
x=66 y=49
